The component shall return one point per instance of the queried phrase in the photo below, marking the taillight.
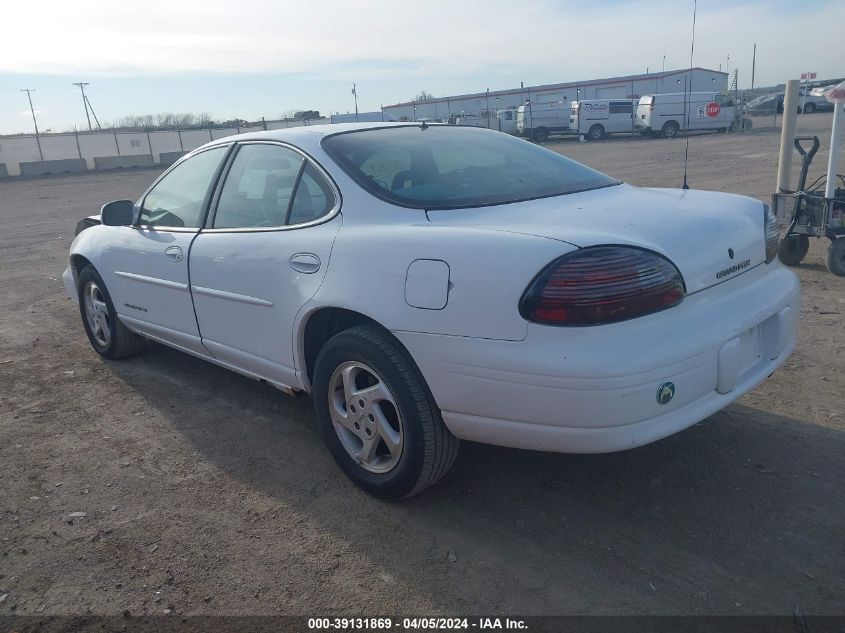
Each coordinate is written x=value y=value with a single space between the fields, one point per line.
x=772 y=233
x=602 y=284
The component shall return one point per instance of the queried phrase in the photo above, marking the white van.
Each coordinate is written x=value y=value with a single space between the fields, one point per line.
x=596 y=118
x=507 y=120
x=537 y=121
x=665 y=114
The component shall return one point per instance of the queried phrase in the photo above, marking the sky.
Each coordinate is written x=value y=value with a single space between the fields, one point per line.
x=254 y=58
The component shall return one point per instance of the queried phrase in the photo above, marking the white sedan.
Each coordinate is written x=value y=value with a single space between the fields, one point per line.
x=432 y=283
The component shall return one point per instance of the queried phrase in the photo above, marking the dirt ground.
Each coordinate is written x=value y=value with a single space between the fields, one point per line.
x=208 y=493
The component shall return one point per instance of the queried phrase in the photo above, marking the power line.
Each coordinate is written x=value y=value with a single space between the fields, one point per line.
x=82 y=85
x=34 y=121
x=93 y=113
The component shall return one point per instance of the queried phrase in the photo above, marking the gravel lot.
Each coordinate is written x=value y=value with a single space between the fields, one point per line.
x=208 y=493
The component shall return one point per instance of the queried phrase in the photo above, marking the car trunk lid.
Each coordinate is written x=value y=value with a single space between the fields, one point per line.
x=709 y=236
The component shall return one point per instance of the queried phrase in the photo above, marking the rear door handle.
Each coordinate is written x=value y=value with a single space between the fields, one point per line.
x=173 y=253
x=305 y=263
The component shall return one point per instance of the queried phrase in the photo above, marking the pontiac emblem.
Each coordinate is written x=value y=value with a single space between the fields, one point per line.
x=665 y=393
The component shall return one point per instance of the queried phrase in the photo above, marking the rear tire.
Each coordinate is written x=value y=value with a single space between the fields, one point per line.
x=596 y=133
x=835 y=258
x=107 y=334
x=670 y=129
x=368 y=392
x=809 y=108
x=792 y=249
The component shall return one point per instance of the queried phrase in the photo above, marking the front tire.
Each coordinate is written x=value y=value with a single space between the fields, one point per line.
x=377 y=416
x=835 y=258
x=107 y=334
x=809 y=108
x=541 y=135
x=792 y=249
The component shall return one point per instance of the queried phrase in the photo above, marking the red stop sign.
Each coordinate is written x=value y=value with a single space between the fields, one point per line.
x=713 y=108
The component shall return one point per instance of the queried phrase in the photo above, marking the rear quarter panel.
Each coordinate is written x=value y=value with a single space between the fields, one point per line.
x=488 y=272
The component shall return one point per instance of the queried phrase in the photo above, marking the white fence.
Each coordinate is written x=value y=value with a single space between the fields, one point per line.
x=62 y=153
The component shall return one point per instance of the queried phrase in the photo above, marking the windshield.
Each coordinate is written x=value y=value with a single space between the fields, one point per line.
x=448 y=167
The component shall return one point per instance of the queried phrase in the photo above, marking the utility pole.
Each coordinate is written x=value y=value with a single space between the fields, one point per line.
x=31 y=109
x=753 y=66
x=355 y=94
x=82 y=85
x=664 y=63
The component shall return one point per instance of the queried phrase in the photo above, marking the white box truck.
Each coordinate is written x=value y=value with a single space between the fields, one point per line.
x=537 y=121
x=669 y=113
x=596 y=118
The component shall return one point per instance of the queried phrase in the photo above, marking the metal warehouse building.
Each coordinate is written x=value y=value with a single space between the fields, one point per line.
x=631 y=86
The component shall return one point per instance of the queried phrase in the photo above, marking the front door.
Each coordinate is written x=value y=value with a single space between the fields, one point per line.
x=262 y=256
x=146 y=265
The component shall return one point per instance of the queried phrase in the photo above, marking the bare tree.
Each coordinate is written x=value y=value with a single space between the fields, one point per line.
x=423 y=95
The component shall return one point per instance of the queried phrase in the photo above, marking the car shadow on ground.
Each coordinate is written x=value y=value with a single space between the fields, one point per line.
x=708 y=515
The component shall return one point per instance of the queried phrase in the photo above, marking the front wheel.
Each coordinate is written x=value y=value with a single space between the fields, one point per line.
x=809 y=108
x=107 y=334
x=835 y=258
x=377 y=415
x=540 y=135
x=792 y=249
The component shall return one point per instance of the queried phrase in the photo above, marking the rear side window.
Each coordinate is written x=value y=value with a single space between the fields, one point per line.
x=271 y=186
x=621 y=107
x=447 y=167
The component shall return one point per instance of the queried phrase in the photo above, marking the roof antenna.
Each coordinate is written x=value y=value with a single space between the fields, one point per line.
x=687 y=94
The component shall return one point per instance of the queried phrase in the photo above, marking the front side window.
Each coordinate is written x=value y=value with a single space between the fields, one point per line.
x=178 y=199
x=444 y=167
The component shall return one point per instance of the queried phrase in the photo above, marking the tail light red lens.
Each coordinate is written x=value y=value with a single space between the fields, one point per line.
x=602 y=284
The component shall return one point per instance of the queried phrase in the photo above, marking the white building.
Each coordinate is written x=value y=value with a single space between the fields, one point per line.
x=630 y=87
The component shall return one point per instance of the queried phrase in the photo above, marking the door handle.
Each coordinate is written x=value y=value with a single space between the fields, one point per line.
x=305 y=263
x=173 y=253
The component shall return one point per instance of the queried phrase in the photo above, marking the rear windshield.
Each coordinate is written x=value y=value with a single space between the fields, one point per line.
x=448 y=167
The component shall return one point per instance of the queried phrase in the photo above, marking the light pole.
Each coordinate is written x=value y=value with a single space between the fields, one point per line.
x=82 y=85
x=487 y=101
x=355 y=94
x=31 y=109
x=664 y=63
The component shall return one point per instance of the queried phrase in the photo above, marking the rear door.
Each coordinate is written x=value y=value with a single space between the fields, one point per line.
x=146 y=265
x=263 y=254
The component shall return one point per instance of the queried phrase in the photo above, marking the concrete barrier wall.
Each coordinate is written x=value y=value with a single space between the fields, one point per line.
x=58 y=166
x=3 y=171
x=89 y=146
x=117 y=162
x=165 y=159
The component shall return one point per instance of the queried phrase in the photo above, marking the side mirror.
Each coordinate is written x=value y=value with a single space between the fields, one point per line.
x=117 y=213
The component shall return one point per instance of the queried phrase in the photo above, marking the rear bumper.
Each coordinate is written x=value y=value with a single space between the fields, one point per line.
x=594 y=389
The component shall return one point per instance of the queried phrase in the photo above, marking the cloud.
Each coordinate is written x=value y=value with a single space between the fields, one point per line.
x=381 y=39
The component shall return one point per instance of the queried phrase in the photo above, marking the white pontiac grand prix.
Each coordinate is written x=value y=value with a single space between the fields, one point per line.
x=432 y=283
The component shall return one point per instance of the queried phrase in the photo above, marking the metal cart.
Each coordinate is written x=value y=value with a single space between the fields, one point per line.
x=806 y=213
